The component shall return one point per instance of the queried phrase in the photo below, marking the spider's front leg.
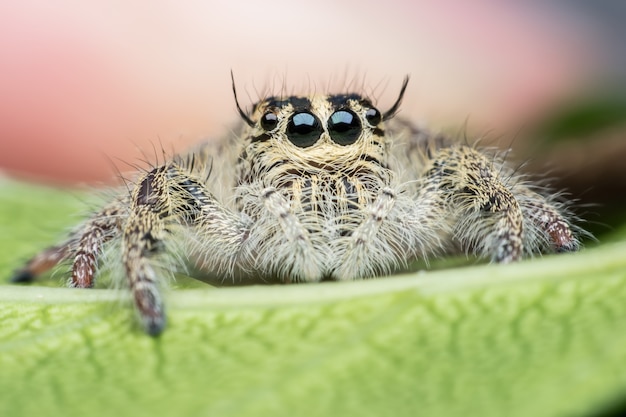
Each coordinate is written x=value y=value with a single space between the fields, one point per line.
x=165 y=201
x=397 y=229
x=493 y=212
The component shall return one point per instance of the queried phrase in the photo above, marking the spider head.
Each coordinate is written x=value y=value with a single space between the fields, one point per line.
x=304 y=122
x=316 y=133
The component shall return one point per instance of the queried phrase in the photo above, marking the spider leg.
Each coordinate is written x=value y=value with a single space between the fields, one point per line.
x=486 y=216
x=494 y=212
x=301 y=262
x=397 y=229
x=164 y=200
x=84 y=245
x=98 y=231
x=546 y=226
x=43 y=262
x=361 y=248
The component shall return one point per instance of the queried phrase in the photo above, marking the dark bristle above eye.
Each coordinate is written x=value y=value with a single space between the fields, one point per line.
x=296 y=102
x=339 y=101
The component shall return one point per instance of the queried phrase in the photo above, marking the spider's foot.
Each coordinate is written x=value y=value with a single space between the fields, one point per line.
x=22 y=276
x=571 y=246
x=154 y=325
x=151 y=310
x=562 y=237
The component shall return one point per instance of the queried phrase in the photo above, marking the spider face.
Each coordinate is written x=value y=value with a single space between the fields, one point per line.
x=300 y=141
x=330 y=147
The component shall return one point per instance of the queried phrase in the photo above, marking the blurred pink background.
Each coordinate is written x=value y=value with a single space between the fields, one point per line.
x=83 y=83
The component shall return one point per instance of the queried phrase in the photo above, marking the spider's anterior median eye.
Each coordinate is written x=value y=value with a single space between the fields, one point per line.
x=373 y=117
x=269 y=121
x=344 y=127
x=303 y=129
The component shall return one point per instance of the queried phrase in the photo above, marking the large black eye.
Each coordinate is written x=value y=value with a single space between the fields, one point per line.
x=344 y=127
x=269 y=121
x=303 y=129
x=373 y=117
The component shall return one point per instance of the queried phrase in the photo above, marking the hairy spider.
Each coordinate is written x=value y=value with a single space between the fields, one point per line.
x=314 y=188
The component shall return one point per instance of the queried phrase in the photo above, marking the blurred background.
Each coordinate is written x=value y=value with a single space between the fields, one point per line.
x=86 y=83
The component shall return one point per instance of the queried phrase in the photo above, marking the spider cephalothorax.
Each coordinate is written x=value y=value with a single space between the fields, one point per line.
x=317 y=187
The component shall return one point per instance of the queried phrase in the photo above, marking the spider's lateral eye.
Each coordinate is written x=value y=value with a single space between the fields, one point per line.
x=303 y=129
x=269 y=121
x=373 y=117
x=344 y=127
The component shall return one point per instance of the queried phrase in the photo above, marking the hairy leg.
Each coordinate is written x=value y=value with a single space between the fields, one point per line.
x=362 y=250
x=165 y=201
x=83 y=245
x=495 y=213
x=399 y=227
x=303 y=263
x=547 y=229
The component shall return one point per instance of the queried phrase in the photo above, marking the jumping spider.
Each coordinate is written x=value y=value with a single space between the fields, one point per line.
x=322 y=187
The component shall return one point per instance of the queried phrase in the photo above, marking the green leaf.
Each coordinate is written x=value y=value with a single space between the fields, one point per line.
x=580 y=118
x=545 y=337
